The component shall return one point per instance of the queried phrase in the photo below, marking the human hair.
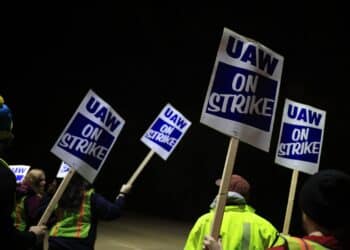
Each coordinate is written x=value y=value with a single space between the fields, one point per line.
x=74 y=193
x=34 y=178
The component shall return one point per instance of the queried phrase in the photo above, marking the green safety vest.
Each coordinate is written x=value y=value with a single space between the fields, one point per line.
x=73 y=224
x=241 y=228
x=295 y=243
x=18 y=215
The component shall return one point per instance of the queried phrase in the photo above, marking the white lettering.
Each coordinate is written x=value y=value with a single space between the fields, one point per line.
x=298 y=148
x=83 y=146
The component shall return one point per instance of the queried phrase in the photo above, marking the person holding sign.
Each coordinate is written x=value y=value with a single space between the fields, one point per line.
x=28 y=197
x=73 y=224
x=10 y=236
x=241 y=227
x=325 y=215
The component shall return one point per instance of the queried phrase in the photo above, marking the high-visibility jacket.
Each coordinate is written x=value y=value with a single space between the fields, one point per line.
x=241 y=228
x=73 y=224
x=287 y=242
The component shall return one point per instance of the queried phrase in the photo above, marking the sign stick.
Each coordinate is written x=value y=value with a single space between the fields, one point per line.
x=140 y=167
x=225 y=180
x=291 y=196
x=48 y=211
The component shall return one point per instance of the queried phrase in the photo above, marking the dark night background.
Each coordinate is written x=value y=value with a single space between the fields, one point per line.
x=139 y=58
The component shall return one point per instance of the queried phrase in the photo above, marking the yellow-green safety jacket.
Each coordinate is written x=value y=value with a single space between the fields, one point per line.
x=241 y=228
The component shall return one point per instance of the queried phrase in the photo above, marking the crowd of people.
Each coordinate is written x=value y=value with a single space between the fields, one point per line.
x=10 y=235
x=73 y=223
x=325 y=217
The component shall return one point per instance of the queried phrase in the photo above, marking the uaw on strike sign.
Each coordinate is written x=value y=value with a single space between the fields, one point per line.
x=166 y=131
x=243 y=90
x=89 y=136
x=301 y=136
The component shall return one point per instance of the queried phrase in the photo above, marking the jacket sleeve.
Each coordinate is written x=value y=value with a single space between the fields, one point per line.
x=195 y=238
x=104 y=209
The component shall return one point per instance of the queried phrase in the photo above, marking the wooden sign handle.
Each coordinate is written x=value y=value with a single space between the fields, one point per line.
x=225 y=181
x=291 y=196
x=140 y=167
x=57 y=196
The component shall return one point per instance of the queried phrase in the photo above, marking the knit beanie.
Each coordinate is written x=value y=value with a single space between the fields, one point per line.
x=238 y=184
x=5 y=122
x=323 y=198
x=7 y=190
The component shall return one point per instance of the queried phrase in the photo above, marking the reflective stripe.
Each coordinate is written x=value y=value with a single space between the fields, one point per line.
x=246 y=236
x=19 y=216
x=54 y=231
x=80 y=219
x=301 y=243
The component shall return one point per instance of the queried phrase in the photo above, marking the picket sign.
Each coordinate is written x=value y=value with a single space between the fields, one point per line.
x=95 y=127
x=241 y=101
x=299 y=145
x=170 y=123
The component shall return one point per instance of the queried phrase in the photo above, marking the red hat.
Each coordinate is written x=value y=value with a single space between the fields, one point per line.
x=237 y=184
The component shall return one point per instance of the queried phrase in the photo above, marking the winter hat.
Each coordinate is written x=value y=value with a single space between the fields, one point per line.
x=238 y=184
x=5 y=121
x=7 y=190
x=323 y=198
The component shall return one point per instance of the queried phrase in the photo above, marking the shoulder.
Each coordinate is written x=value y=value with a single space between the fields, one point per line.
x=3 y=163
x=205 y=218
x=292 y=242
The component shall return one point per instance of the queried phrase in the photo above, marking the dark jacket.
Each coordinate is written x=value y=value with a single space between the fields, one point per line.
x=13 y=238
x=10 y=236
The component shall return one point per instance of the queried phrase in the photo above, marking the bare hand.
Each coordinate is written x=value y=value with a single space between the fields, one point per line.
x=211 y=244
x=125 y=188
x=39 y=231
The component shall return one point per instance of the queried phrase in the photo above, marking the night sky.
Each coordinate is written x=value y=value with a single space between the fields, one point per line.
x=138 y=59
